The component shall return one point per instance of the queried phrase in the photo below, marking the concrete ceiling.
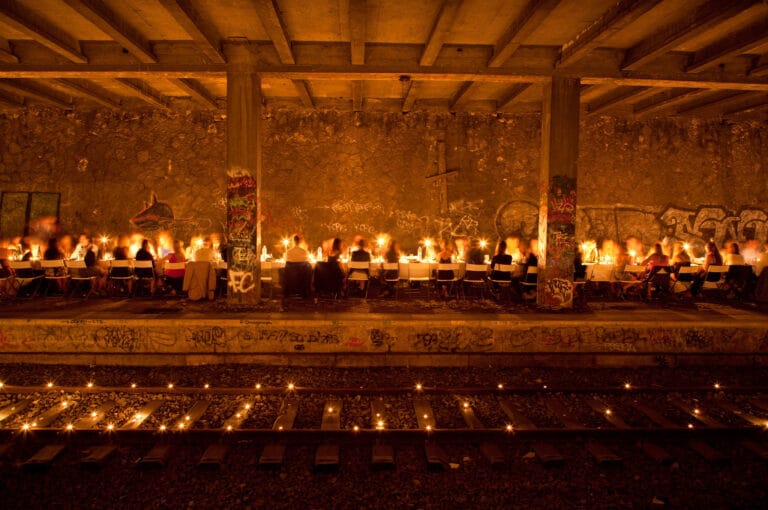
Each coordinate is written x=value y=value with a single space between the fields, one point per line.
x=636 y=58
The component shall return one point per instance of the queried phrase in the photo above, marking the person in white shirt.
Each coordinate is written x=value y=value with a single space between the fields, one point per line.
x=205 y=253
x=298 y=253
x=83 y=246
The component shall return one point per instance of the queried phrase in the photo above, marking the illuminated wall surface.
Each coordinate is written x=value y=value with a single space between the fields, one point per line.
x=339 y=174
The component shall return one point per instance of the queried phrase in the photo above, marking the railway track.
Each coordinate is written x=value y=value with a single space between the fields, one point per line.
x=610 y=424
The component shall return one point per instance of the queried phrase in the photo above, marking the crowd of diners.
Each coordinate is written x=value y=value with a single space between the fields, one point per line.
x=335 y=253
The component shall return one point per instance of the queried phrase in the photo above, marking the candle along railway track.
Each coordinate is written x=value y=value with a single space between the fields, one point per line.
x=91 y=425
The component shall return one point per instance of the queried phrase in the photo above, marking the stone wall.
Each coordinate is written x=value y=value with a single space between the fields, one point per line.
x=341 y=174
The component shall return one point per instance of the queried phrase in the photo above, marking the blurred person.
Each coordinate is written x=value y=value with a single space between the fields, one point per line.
x=175 y=277
x=145 y=253
x=657 y=258
x=532 y=255
x=445 y=256
x=680 y=257
x=205 y=253
x=83 y=245
x=393 y=252
x=733 y=257
x=361 y=254
x=475 y=254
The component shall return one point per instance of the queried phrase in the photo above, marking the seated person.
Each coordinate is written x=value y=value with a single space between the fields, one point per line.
x=680 y=258
x=205 y=253
x=475 y=255
x=330 y=275
x=54 y=253
x=501 y=258
x=297 y=278
x=657 y=258
x=144 y=253
x=445 y=257
x=175 y=277
x=360 y=255
x=733 y=257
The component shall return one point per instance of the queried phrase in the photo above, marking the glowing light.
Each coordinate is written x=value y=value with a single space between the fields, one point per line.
x=247 y=406
x=64 y=404
x=380 y=241
x=206 y=386
x=199 y=243
x=696 y=411
x=509 y=428
x=425 y=416
x=89 y=385
x=419 y=387
x=138 y=417
x=545 y=386
x=686 y=246
x=110 y=426
x=355 y=428
x=380 y=424
x=238 y=415
x=500 y=386
x=280 y=427
x=466 y=405
x=717 y=386
x=2 y=385
x=133 y=385
x=50 y=385
x=690 y=425
x=70 y=426
x=291 y=386
x=258 y=386
x=285 y=242
x=34 y=424
x=427 y=242
x=483 y=243
x=229 y=428
x=162 y=428
x=330 y=410
x=181 y=425
x=627 y=386
x=187 y=417
x=25 y=426
x=608 y=412
x=170 y=386
x=104 y=239
x=428 y=427
x=94 y=414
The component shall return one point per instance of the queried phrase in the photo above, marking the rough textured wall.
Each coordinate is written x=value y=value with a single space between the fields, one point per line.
x=341 y=174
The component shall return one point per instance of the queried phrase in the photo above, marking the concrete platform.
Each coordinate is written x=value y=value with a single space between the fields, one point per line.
x=359 y=333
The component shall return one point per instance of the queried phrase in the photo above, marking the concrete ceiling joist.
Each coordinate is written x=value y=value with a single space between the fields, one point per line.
x=357 y=95
x=108 y=22
x=622 y=96
x=533 y=14
x=79 y=89
x=742 y=42
x=6 y=56
x=755 y=103
x=30 y=91
x=460 y=95
x=410 y=94
x=196 y=91
x=357 y=17
x=141 y=90
x=667 y=99
x=760 y=70
x=720 y=102
x=275 y=28
x=197 y=26
x=303 y=89
x=613 y=20
x=12 y=100
x=440 y=31
x=511 y=96
x=705 y=18
x=20 y=19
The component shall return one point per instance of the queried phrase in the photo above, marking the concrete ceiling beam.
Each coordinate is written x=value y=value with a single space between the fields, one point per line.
x=410 y=94
x=617 y=98
x=357 y=20
x=612 y=21
x=275 y=27
x=460 y=96
x=27 y=90
x=302 y=88
x=84 y=91
x=533 y=14
x=108 y=22
x=752 y=104
x=717 y=103
x=440 y=31
x=196 y=91
x=13 y=14
x=667 y=99
x=740 y=43
x=665 y=40
x=511 y=96
x=357 y=95
x=197 y=26
x=138 y=88
x=6 y=55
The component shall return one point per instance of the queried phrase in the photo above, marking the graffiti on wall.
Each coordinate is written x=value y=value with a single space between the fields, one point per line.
x=156 y=216
x=560 y=243
x=241 y=233
x=694 y=226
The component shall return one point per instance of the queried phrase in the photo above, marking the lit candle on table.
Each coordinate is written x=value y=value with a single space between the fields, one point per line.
x=285 y=247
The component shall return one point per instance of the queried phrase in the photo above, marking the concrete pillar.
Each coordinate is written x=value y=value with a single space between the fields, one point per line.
x=244 y=175
x=557 y=206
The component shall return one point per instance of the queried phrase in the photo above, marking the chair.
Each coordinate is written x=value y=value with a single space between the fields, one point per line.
x=222 y=278
x=475 y=277
x=329 y=280
x=391 y=275
x=684 y=278
x=55 y=271
x=358 y=271
x=501 y=277
x=144 y=273
x=120 y=275
x=266 y=276
x=714 y=279
x=448 y=275
x=530 y=281
x=78 y=280
x=600 y=276
x=632 y=278
x=658 y=282
x=740 y=280
x=25 y=278
x=418 y=275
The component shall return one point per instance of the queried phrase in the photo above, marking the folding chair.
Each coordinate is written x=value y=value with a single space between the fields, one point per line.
x=658 y=282
x=79 y=282
x=358 y=271
x=120 y=275
x=391 y=276
x=418 y=274
x=714 y=279
x=476 y=278
x=55 y=273
x=25 y=278
x=266 y=276
x=530 y=281
x=501 y=278
x=632 y=280
x=143 y=273
x=684 y=278
x=448 y=275
x=175 y=282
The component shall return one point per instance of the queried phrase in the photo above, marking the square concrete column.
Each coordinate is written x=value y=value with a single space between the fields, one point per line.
x=557 y=206
x=244 y=175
